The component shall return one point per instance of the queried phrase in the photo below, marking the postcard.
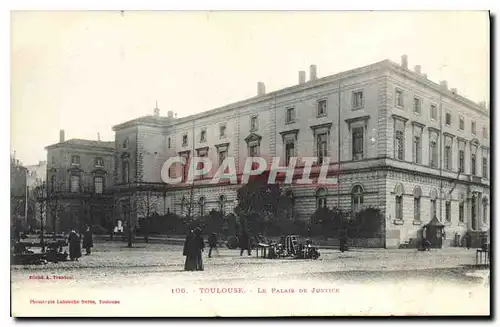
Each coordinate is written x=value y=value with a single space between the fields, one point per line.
x=250 y=163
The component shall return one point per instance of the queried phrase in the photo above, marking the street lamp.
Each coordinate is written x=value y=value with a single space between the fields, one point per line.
x=41 y=194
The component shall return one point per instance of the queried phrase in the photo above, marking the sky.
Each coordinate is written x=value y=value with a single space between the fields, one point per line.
x=86 y=71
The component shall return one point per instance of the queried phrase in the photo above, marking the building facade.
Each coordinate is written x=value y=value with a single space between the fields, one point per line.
x=79 y=183
x=395 y=140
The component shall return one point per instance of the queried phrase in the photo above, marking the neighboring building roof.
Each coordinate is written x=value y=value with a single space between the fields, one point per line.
x=83 y=143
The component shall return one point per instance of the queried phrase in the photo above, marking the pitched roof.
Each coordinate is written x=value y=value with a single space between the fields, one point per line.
x=88 y=143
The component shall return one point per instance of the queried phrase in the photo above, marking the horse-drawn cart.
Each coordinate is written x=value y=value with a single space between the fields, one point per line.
x=288 y=247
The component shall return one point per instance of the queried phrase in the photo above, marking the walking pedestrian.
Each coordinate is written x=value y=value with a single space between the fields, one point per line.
x=212 y=242
x=193 y=246
x=88 y=242
x=343 y=240
x=245 y=244
x=75 y=250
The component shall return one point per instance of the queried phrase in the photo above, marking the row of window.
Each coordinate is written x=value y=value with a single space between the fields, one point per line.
x=417 y=108
x=75 y=183
x=399 y=152
x=75 y=161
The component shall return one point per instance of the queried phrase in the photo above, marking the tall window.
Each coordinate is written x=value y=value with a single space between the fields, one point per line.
x=222 y=156
x=400 y=145
x=98 y=184
x=473 y=127
x=201 y=203
x=185 y=169
x=321 y=198
x=448 y=211
x=433 y=154
x=416 y=208
x=184 y=140
x=433 y=208
x=222 y=204
x=461 y=212
x=183 y=205
x=253 y=124
x=447 y=157
x=53 y=183
x=222 y=131
x=321 y=147
x=416 y=105
x=253 y=150
x=289 y=150
x=448 y=118
x=461 y=161
x=358 y=100
x=399 y=207
x=125 y=144
x=203 y=135
x=417 y=149
x=357 y=143
x=461 y=123
x=75 y=160
x=291 y=206
x=321 y=109
x=485 y=167
x=433 y=111
x=99 y=162
x=485 y=211
x=125 y=172
x=75 y=183
x=169 y=142
x=290 y=115
x=473 y=164
x=485 y=133
x=473 y=213
x=399 y=98
x=357 y=199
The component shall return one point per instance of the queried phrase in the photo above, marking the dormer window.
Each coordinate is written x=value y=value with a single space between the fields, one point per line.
x=75 y=160
x=99 y=162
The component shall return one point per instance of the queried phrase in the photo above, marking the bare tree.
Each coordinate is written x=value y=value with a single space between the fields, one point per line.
x=146 y=204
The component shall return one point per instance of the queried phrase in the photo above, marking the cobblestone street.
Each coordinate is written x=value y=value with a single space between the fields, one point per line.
x=149 y=280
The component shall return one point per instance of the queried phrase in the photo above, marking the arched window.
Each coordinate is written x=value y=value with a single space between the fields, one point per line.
x=291 y=206
x=399 y=192
x=125 y=171
x=433 y=196
x=222 y=204
x=321 y=198
x=183 y=205
x=356 y=199
x=485 y=211
x=201 y=203
x=417 y=194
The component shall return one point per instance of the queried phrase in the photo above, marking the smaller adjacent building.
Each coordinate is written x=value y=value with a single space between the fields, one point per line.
x=79 y=182
x=18 y=196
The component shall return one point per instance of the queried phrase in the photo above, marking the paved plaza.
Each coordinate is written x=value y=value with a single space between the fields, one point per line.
x=148 y=279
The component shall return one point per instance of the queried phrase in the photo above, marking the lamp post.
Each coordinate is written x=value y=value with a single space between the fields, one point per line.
x=41 y=194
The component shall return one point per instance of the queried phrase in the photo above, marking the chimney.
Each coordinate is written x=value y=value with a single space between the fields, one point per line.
x=170 y=114
x=313 y=72
x=444 y=84
x=482 y=104
x=404 y=61
x=261 y=88
x=425 y=76
x=98 y=136
x=454 y=90
x=302 y=76
x=61 y=135
x=418 y=69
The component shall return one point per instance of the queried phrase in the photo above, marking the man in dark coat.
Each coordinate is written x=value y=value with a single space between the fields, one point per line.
x=245 y=243
x=75 y=250
x=212 y=242
x=467 y=240
x=343 y=240
x=193 y=246
x=88 y=241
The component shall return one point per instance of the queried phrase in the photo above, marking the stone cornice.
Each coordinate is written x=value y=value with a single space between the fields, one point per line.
x=221 y=145
x=433 y=129
x=325 y=125
x=356 y=119
x=461 y=139
x=448 y=134
x=205 y=148
x=416 y=123
x=401 y=118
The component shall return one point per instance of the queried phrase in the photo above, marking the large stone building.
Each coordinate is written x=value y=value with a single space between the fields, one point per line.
x=398 y=141
x=80 y=180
